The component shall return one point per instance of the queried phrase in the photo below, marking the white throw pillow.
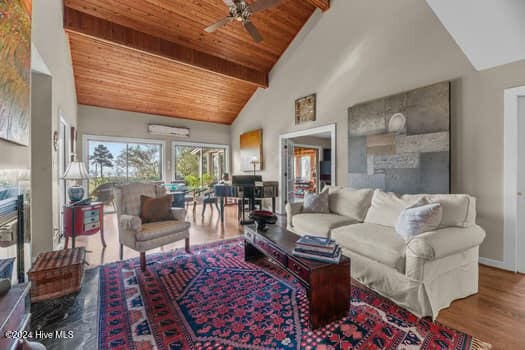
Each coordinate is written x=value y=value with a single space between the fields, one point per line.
x=386 y=207
x=350 y=202
x=418 y=218
x=459 y=210
x=316 y=203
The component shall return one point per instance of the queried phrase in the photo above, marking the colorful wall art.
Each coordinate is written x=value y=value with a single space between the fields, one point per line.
x=251 y=150
x=15 y=70
x=401 y=143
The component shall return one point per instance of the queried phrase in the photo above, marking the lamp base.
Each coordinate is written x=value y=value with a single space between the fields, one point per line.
x=75 y=193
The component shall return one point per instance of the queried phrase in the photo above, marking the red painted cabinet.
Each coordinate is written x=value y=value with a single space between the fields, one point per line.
x=87 y=219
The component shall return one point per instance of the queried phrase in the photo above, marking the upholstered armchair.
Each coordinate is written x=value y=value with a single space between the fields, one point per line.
x=143 y=237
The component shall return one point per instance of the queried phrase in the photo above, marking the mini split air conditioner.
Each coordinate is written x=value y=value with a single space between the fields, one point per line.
x=155 y=129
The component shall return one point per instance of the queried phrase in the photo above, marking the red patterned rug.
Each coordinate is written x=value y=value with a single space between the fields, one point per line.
x=212 y=299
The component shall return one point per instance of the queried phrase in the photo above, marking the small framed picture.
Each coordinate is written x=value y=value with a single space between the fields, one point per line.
x=305 y=109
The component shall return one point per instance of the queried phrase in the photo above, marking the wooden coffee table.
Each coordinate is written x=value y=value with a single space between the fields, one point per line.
x=327 y=285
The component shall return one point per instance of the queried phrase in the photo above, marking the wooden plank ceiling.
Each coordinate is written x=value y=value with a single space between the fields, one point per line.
x=153 y=56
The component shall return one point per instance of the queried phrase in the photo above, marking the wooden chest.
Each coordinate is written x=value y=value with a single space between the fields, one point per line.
x=58 y=273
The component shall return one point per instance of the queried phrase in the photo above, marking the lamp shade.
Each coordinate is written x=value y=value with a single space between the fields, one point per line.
x=76 y=171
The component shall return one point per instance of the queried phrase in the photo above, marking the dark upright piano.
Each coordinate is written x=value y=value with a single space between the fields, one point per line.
x=247 y=187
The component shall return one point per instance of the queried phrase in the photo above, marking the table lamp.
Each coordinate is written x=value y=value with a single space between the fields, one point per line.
x=76 y=171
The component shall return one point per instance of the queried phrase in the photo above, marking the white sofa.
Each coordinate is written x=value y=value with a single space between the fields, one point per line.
x=423 y=274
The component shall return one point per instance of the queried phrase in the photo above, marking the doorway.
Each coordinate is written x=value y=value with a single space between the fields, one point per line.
x=307 y=162
x=520 y=241
x=306 y=165
x=514 y=181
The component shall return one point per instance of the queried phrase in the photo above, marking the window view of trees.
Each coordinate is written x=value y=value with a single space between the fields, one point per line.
x=101 y=158
x=119 y=162
x=123 y=162
x=199 y=166
x=187 y=162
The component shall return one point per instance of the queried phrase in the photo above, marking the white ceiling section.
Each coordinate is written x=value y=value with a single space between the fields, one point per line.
x=490 y=32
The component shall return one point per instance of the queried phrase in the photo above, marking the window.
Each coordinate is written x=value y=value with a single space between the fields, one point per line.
x=122 y=160
x=199 y=165
x=305 y=168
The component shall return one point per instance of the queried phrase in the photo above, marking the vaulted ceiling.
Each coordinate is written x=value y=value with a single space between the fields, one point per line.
x=153 y=56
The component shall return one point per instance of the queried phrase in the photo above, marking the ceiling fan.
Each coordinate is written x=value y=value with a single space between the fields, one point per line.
x=241 y=11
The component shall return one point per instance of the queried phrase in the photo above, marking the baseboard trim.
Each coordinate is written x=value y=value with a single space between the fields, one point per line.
x=495 y=263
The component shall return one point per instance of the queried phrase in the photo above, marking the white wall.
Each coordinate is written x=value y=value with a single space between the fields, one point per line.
x=489 y=32
x=42 y=216
x=50 y=39
x=111 y=122
x=362 y=50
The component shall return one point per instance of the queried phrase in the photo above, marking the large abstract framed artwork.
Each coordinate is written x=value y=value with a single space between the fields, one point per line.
x=401 y=143
x=251 y=150
x=15 y=70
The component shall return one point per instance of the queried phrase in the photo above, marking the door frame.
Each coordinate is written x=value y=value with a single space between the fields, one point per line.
x=64 y=155
x=512 y=240
x=319 y=158
x=332 y=129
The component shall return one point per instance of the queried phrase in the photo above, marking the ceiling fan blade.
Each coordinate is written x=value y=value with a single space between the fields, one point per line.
x=250 y=28
x=219 y=24
x=260 y=5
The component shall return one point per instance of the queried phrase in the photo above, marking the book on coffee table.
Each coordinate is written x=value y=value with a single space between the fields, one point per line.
x=315 y=243
x=335 y=257
x=327 y=253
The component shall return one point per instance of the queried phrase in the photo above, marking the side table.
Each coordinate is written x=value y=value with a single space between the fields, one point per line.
x=83 y=220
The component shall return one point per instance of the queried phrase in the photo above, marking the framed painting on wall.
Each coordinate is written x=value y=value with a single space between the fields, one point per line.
x=305 y=109
x=251 y=150
x=15 y=70
x=401 y=143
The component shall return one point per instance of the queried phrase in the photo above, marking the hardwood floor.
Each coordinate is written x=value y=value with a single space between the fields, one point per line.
x=495 y=315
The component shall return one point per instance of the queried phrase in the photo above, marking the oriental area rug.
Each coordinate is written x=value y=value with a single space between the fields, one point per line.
x=213 y=299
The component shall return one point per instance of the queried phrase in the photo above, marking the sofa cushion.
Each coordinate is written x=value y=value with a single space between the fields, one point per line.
x=319 y=224
x=386 y=208
x=316 y=202
x=350 y=202
x=156 y=209
x=459 y=210
x=418 y=218
x=376 y=242
x=162 y=228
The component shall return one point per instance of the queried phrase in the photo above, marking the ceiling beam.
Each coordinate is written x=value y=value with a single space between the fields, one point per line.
x=100 y=29
x=324 y=5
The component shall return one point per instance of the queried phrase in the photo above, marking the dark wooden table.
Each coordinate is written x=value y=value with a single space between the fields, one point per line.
x=327 y=285
x=14 y=316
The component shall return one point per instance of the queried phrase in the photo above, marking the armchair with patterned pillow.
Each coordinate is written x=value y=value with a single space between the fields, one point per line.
x=142 y=236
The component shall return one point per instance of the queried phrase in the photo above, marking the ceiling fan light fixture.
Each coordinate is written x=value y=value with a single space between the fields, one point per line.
x=241 y=11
